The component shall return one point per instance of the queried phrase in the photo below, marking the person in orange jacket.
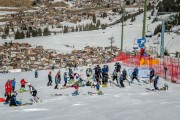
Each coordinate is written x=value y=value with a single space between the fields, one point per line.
x=23 y=82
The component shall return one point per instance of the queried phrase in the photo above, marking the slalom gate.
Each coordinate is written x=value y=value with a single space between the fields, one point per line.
x=166 y=67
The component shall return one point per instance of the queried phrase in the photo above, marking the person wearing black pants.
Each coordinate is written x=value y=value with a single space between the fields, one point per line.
x=115 y=76
x=134 y=76
x=50 y=79
x=121 y=81
x=65 y=78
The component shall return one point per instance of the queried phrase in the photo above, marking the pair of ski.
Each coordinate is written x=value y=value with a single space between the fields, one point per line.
x=89 y=93
x=24 y=104
x=35 y=100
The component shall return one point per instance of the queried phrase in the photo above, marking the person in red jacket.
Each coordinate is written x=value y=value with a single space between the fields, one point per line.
x=23 y=82
x=8 y=90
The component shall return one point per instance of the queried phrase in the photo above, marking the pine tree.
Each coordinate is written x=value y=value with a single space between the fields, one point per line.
x=98 y=23
x=76 y=29
x=34 y=33
x=46 y=32
x=6 y=30
x=22 y=35
x=39 y=32
x=80 y=28
x=17 y=35
x=65 y=29
x=34 y=3
x=72 y=30
x=28 y=34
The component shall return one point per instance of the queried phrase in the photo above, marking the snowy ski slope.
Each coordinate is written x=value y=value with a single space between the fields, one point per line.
x=129 y=103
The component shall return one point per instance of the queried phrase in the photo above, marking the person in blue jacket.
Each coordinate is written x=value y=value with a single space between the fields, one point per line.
x=156 y=82
x=121 y=79
x=135 y=75
x=13 y=84
x=105 y=71
x=13 y=101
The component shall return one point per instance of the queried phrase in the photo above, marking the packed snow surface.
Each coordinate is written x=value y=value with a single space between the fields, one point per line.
x=129 y=103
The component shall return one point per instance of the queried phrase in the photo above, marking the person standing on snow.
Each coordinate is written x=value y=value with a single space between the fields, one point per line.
x=8 y=90
x=98 y=73
x=115 y=75
x=50 y=79
x=57 y=80
x=70 y=73
x=36 y=73
x=75 y=66
x=118 y=67
x=104 y=73
x=156 y=82
x=53 y=67
x=151 y=75
x=23 y=82
x=13 y=84
x=88 y=73
x=33 y=92
x=121 y=80
x=124 y=73
x=135 y=75
x=76 y=87
x=65 y=78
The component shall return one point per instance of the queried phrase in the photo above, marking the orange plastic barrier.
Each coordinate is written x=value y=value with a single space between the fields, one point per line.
x=2 y=100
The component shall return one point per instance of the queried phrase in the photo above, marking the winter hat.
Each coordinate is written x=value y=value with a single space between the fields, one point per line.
x=28 y=84
x=14 y=93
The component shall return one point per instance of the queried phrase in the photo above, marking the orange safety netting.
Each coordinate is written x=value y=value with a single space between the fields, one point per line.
x=159 y=65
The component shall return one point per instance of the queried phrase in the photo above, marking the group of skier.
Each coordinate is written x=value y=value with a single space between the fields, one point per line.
x=94 y=78
x=11 y=93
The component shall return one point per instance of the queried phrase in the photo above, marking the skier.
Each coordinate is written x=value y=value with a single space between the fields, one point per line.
x=36 y=73
x=151 y=75
x=156 y=82
x=33 y=92
x=118 y=67
x=121 y=80
x=104 y=73
x=50 y=79
x=70 y=73
x=65 y=78
x=53 y=67
x=98 y=73
x=114 y=75
x=23 y=82
x=75 y=66
x=96 y=84
x=135 y=75
x=124 y=73
x=13 y=101
x=165 y=71
x=13 y=84
x=57 y=80
x=88 y=73
x=76 y=87
x=8 y=90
